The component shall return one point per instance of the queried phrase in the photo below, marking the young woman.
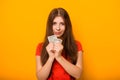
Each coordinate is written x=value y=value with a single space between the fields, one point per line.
x=59 y=61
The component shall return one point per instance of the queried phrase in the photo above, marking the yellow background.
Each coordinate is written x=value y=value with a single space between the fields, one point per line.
x=96 y=24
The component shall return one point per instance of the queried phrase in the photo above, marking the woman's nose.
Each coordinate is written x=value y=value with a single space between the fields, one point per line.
x=58 y=28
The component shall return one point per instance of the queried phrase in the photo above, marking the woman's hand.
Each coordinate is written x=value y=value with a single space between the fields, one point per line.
x=50 y=50
x=58 y=48
x=54 y=50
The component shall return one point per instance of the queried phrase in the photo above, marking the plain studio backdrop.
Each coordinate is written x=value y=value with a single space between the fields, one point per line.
x=96 y=24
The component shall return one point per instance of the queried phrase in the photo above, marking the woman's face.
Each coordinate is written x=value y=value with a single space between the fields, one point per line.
x=58 y=26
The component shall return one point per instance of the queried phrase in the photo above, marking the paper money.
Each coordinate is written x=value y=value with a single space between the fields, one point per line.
x=54 y=39
x=57 y=41
x=51 y=38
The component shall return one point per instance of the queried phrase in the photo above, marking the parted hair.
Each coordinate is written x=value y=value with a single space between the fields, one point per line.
x=68 y=42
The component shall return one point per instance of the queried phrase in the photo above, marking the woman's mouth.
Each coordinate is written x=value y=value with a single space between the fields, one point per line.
x=57 y=33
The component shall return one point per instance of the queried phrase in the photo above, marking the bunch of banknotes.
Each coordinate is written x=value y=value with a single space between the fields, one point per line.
x=54 y=39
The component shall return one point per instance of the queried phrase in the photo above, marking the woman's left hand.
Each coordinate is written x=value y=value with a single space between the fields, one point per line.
x=58 y=47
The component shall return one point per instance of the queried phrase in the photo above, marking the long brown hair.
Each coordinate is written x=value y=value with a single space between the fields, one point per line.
x=69 y=44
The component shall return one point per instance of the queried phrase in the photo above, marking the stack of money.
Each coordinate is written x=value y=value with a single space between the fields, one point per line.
x=54 y=39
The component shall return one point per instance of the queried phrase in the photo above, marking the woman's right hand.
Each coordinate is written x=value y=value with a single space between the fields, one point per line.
x=50 y=50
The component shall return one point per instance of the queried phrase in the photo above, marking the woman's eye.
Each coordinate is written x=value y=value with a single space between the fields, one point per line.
x=62 y=23
x=54 y=23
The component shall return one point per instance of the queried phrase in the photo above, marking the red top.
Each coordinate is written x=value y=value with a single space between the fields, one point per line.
x=58 y=72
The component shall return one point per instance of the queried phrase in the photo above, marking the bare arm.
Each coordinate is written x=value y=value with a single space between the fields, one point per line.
x=73 y=70
x=44 y=71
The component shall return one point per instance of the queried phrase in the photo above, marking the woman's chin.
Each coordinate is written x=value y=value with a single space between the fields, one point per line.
x=58 y=36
